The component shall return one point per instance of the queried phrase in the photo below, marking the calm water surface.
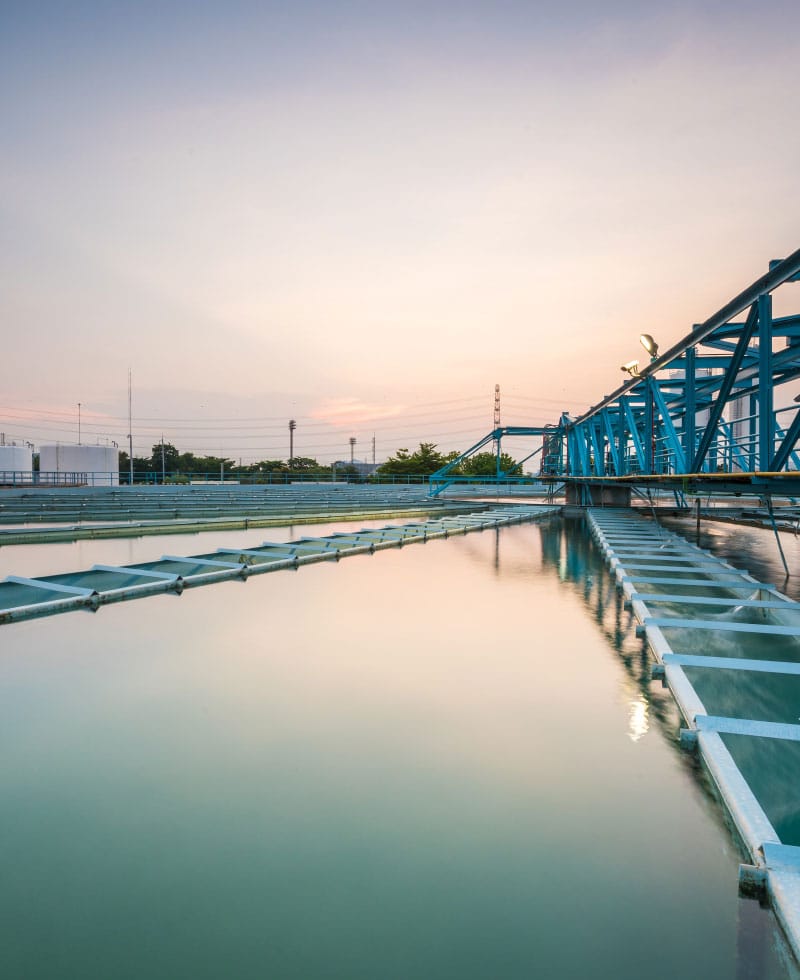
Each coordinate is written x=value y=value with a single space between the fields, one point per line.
x=444 y=761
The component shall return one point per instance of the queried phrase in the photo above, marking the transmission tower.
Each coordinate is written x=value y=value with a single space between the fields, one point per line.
x=497 y=422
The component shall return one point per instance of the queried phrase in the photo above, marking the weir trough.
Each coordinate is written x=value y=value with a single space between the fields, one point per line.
x=728 y=648
x=27 y=598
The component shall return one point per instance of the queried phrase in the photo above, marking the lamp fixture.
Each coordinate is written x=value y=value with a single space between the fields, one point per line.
x=646 y=340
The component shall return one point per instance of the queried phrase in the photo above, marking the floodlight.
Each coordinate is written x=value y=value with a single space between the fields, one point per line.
x=646 y=340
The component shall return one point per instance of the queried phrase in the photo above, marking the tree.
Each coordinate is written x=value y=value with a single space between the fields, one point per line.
x=485 y=464
x=170 y=458
x=305 y=464
x=141 y=465
x=423 y=462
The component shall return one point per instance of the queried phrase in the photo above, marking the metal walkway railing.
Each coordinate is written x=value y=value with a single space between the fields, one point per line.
x=728 y=648
x=26 y=598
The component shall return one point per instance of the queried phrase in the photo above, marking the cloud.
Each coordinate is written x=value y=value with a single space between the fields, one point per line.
x=351 y=410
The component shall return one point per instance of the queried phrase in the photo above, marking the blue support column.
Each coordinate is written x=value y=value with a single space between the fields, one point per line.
x=671 y=436
x=637 y=442
x=649 y=430
x=709 y=436
x=612 y=443
x=766 y=418
x=690 y=414
x=597 y=448
x=788 y=442
x=622 y=446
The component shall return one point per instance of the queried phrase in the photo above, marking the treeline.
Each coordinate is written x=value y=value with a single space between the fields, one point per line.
x=178 y=467
x=168 y=462
x=427 y=460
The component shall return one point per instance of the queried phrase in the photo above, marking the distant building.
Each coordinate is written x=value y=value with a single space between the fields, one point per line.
x=364 y=469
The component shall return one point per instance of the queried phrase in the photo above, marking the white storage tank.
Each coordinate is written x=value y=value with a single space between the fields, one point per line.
x=16 y=464
x=95 y=466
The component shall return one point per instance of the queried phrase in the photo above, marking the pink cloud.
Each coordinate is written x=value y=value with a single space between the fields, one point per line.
x=349 y=410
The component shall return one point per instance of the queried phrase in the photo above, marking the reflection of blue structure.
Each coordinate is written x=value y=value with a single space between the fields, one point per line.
x=712 y=410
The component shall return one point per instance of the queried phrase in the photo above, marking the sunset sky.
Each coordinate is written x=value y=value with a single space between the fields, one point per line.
x=364 y=215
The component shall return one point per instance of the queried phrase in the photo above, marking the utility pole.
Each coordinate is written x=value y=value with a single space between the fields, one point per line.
x=373 y=448
x=79 y=423
x=130 y=429
x=292 y=427
x=352 y=449
x=163 y=462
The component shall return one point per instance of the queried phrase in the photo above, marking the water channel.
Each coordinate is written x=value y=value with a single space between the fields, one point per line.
x=443 y=761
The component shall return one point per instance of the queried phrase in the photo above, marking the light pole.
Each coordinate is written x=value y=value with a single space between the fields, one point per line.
x=292 y=427
x=352 y=449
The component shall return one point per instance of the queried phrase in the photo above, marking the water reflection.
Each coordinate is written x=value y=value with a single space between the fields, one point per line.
x=566 y=546
x=638 y=717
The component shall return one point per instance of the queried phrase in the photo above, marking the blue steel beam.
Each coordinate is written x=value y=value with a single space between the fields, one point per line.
x=634 y=433
x=725 y=389
x=781 y=457
x=766 y=420
x=671 y=435
x=597 y=449
x=443 y=477
x=613 y=446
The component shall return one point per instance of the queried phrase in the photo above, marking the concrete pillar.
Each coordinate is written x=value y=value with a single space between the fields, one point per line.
x=602 y=494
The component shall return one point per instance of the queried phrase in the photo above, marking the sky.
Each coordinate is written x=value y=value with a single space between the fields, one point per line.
x=365 y=215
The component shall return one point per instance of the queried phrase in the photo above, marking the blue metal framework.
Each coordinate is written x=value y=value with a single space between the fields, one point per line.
x=447 y=475
x=712 y=410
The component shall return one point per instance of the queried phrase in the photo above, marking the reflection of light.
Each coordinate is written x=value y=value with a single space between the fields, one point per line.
x=638 y=721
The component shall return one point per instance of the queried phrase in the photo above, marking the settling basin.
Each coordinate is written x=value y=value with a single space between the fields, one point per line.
x=442 y=761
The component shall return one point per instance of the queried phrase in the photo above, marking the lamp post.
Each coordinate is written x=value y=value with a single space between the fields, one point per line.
x=292 y=427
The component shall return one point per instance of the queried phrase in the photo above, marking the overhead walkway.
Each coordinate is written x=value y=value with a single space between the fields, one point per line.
x=728 y=648
x=27 y=598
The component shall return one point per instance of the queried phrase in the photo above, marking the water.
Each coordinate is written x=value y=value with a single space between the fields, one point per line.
x=750 y=548
x=443 y=761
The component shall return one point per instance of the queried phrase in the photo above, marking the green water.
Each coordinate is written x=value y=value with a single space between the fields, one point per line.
x=445 y=761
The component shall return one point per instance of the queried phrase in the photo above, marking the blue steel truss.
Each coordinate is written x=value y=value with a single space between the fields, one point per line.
x=447 y=475
x=714 y=404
